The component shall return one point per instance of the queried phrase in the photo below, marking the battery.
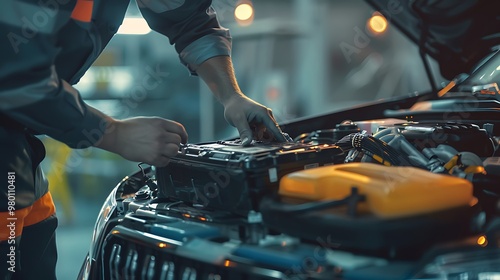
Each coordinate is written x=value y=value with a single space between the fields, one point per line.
x=225 y=175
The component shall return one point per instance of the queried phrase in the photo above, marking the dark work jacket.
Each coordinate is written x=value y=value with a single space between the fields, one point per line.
x=43 y=52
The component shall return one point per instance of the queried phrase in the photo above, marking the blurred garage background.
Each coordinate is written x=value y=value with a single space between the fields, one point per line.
x=298 y=57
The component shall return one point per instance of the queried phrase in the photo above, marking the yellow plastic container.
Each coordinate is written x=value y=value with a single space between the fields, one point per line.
x=390 y=191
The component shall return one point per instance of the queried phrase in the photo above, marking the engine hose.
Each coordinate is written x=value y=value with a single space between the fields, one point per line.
x=345 y=143
x=377 y=149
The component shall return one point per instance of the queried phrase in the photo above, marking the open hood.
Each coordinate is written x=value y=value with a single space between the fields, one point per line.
x=458 y=34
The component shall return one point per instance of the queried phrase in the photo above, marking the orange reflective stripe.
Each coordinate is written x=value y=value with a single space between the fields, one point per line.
x=40 y=210
x=13 y=224
x=83 y=10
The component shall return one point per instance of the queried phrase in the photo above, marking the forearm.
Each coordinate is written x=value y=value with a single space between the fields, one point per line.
x=239 y=110
x=218 y=73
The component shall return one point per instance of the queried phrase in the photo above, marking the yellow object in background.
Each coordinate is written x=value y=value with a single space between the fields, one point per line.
x=57 y=176
x=390 y=191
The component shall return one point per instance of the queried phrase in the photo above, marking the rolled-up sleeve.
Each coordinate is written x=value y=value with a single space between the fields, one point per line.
x=31 y=93
x=191 y=26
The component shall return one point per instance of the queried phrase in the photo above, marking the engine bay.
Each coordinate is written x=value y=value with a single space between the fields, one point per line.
x=392 y=197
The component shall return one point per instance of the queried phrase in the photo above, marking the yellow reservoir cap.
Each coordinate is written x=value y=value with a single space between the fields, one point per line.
x=390 y=191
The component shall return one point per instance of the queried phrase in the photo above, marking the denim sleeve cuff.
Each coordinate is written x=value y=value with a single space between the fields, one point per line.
x=206 y=47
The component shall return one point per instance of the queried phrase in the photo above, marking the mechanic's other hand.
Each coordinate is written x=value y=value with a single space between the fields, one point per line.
x=253 y=120
x=151 y=140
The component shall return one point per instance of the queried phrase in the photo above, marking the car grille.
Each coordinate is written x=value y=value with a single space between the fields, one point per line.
x=131 y=254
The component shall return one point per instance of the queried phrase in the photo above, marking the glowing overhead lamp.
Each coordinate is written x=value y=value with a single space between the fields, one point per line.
x=244 y=13
x=377 y=24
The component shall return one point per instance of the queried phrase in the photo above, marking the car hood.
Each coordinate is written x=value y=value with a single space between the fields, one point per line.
x=457 y=34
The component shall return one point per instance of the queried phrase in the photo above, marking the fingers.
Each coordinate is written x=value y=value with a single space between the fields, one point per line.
x=166 y=144
x=244 y=130
x=167 y=151
x=161 y=155
x=176 y=128
x=248 y=114
x=170 y=139
x=273 y=126
x=266 y=127
x=149 y=140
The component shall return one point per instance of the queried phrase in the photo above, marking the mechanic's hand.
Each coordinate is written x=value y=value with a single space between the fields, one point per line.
x=253 y=120
x=144 y=139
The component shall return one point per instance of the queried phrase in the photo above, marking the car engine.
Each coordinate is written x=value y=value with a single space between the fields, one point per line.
x=381 y=197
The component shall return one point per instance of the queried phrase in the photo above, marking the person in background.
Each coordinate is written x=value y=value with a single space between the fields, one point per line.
x=46 y=47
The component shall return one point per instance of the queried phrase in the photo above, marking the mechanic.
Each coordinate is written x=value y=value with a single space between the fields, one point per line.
x=46 y=46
